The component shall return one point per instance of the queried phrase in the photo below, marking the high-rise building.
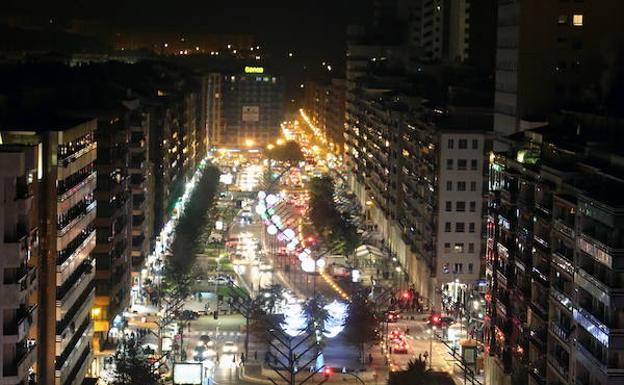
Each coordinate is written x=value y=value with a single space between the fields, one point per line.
x=555 y=224
x=66 y=212
x=251 y=108
x=141 y=174
x=553 y=54
x=419 y=175
x=19 y=245
x=113 y=224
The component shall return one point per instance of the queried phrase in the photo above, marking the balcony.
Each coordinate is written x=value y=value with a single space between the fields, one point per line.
x=85 y=182
x=564 y=228
x=18 y=370
x=598 y=250
x=561 y=332
x=14 y=252
x=538 y=337
x=561 y=298
x=79 y=224
x=77 y=161
x=592 y=325
x=16 y=331
x=70 y=296
x=559 y=367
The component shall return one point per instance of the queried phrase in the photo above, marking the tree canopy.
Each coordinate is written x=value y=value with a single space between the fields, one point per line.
x=361 y=324
x=178 y=270
x=329 y=222
x=133 y=368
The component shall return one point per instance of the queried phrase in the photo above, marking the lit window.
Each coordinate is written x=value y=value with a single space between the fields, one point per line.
x=577 y=20
x=563 y=19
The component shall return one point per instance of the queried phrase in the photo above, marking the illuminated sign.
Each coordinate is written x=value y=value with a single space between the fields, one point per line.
x=254 y=70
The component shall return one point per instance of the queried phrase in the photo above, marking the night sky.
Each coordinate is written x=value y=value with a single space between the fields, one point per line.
x=315 y=26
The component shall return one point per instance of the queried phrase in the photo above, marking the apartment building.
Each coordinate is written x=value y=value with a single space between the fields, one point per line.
x=244 y=108
x=141 y=182
x=19 y=245
x=113 y=224
x=554 y=238
x=66 y=213
x=419 y=173
x=553 y=54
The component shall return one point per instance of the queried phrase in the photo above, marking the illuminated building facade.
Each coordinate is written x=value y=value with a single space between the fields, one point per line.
x=19 y=245
x=251 y=105
x=555 y=224
x=64 y=198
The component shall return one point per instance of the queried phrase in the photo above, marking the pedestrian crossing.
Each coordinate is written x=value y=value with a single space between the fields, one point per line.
x=213 y=333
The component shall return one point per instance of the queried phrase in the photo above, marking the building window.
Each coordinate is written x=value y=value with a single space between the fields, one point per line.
x=470 y=268
x=451 y=143
x=473 y=206
x=449 y=185
x=577 y=20
x=460 y=206
x=471 y=248
x=449 y=164
x=447 y=227
x=447 y=247
x=473 y=165
x=473 y=186
x=459 y=227
x=449 y=206
x=475 y=144
x=461 y=186
x=463 y=144
x=459 y=267
x=462 y=164
x=458 y=248
x=471 y=227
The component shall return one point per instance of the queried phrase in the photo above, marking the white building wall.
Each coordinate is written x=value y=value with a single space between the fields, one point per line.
x=457 y=259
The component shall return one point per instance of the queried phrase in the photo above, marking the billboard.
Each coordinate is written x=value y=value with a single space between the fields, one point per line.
x=187 y=373
x=251 y=114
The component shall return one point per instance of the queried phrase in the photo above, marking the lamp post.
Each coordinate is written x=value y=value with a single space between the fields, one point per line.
x=433 y=328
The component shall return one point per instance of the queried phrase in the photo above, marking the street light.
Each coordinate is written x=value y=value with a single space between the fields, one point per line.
x=433 y=329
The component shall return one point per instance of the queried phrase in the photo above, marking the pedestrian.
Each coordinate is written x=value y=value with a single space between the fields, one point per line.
x=255 y=355
x=370 y=359
x=233 y=359
x=242 y=359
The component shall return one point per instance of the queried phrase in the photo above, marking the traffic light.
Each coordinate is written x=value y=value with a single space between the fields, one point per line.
x=327 y=372
x=406 y=295
x=215 y=314
x=435 y=318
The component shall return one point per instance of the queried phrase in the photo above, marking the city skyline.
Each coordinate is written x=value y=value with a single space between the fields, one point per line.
x=399 y=192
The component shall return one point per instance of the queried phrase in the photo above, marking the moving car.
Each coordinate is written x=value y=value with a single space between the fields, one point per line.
x=400 y=348
x=392 y=316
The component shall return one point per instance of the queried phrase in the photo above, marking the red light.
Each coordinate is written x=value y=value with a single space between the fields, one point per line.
x=406 y=295
x=310 y=239
x=328 y=372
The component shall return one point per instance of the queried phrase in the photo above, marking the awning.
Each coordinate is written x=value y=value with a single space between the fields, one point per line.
x=367 y=251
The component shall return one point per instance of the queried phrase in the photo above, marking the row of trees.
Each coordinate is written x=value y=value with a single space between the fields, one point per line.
x=178 y=277
x=337 y=232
